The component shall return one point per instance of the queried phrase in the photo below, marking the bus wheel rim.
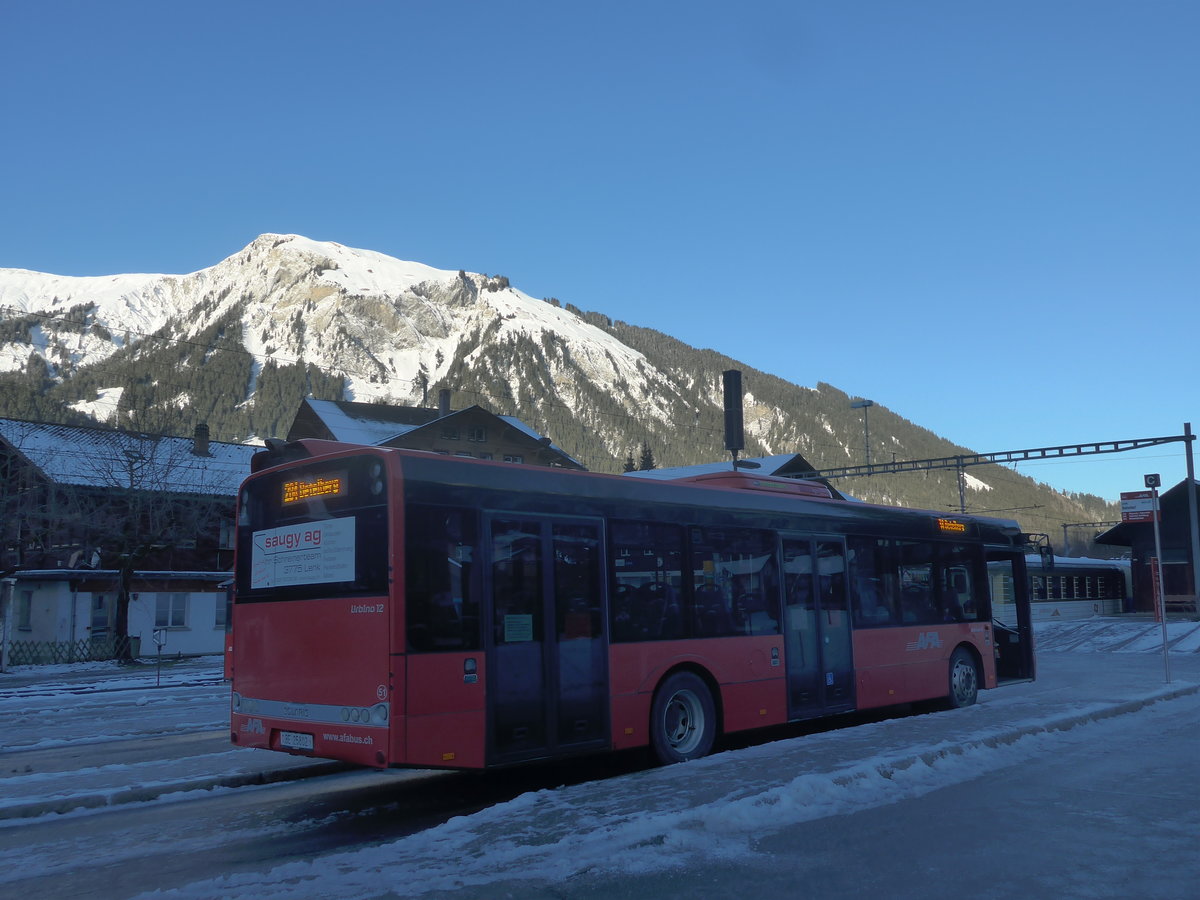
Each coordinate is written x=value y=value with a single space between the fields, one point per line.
x=683 y=721
x=963 y=680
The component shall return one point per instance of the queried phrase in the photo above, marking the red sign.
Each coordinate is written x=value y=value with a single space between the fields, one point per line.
x=1156 y=582
x=1137 y=506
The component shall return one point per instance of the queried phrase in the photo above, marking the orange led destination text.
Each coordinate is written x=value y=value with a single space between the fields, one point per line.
x=295 y=491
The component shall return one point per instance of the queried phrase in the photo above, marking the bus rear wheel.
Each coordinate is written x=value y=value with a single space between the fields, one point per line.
x=964 y=680
x=683 y=719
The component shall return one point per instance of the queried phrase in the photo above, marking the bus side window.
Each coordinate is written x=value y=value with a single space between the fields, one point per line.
x=645 y=571
x=872 y=599
x=916 y=587
x=962 y=576
x=737 y=586
x=441 y=602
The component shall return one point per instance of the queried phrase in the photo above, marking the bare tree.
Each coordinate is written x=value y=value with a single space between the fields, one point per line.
x=145 y=512
x=118 y=500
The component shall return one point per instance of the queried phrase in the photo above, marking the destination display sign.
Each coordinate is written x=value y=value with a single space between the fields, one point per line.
x=952 y=525
x=320 y=486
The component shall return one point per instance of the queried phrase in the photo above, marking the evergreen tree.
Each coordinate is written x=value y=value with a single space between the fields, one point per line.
x=630 y=465
x=646 y=463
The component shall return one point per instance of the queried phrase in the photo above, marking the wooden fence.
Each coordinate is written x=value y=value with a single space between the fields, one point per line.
x=34 y=653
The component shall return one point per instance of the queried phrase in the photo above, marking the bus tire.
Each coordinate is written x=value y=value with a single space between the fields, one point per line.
x=964 y=679
x=683 y=719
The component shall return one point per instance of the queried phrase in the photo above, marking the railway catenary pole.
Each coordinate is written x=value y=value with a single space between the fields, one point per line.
x=1195 y=529
x=1066 y=525
x=1157 y=578
x=865 y=406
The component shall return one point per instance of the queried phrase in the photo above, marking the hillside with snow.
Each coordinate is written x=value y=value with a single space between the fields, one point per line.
x=376 y=319
x=237 y=345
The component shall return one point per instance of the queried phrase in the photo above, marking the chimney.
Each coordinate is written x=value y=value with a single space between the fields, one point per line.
x=443 y=403
x=200 y=441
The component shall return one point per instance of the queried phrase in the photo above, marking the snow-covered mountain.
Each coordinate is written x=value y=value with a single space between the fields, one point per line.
x=388 y=330
x=377 y=319
x=238 y=344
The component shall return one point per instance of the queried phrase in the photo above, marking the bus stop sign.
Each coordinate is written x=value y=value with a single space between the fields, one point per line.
x=1137 y=506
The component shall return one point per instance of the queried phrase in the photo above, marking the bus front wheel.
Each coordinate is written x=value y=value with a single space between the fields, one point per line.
x=964 y=680
x=683 y=719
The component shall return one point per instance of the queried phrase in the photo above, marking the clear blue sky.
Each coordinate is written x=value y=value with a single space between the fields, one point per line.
x=984 y=216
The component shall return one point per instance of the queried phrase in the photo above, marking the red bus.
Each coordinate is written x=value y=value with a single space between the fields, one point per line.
x=404 y=608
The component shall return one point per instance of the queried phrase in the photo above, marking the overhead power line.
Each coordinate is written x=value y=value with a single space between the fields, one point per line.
x=1003 y=456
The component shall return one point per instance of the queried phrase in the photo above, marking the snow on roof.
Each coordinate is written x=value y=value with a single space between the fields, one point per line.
x=95 y=457
x=768 y=465
x=525 y=429
x=359 y=428
x=354 y=422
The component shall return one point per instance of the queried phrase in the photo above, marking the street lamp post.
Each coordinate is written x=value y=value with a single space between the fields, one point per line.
x=865 y=405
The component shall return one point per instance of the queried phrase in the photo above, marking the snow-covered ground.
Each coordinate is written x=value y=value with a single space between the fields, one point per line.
x=1099 y=681
x=88 y=703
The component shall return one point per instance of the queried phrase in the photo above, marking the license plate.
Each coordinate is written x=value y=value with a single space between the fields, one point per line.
x=296 y=740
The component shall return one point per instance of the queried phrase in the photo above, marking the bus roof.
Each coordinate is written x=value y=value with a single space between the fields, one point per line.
x=458 y=479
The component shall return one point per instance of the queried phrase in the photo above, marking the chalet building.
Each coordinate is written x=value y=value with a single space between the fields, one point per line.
x=471 y=432
x=80 y=506
x=1178 y=570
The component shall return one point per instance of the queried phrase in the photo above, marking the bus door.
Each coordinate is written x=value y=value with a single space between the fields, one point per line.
x=817 y=639
x=1012 y=621
x=548 y=650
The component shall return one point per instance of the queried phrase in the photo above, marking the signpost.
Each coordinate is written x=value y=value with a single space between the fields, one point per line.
x=160 y=638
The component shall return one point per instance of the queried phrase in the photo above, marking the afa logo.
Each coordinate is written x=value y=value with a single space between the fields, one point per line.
x=253 y=726
x=926 y=640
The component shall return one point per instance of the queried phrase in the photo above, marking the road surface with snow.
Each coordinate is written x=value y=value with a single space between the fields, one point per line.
x=1077 y=785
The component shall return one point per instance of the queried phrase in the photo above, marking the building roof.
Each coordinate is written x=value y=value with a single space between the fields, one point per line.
x=1172 y=502
x=787 y=465
x=99 y=457
x=382 y=424
x=364 y=423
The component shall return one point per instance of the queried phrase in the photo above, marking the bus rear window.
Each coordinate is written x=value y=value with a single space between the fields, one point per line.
x=314 y=531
